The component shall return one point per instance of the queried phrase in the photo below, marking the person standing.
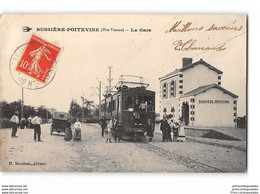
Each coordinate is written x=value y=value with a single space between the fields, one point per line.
x=118 y=132
x=164 y=126
x=22 y=123
x=103 y=123
x=168 y=131
x=68 y=131
x=15 y=122
x=175 y=129
x=109 y=131
x=77 y=128
x=181 y=132
x=29 y=122
x=149 y=129
x=36 y=121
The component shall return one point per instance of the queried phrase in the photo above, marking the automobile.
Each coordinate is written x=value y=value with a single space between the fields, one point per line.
x=59 y=121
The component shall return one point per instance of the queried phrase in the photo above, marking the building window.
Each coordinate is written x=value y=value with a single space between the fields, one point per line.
x=181 y=75
x=192 y=112
x=235 y=108
x=173 y=89
x=235 y=114
x=181 y=86
x=219 y=83
x=164 y=110
x=180 y=81
x=235 y=102
x=180 y=92
x=192 y=100
x=192 y=106
x=219 y=77
x=234 y=120
x=192 y=118
x=165 y=90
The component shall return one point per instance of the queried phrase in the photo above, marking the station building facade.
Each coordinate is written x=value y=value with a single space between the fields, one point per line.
x=194 y=92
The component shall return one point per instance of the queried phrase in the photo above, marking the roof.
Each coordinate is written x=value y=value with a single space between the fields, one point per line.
x=201 y=61
x=205 y=88
x=61 y=115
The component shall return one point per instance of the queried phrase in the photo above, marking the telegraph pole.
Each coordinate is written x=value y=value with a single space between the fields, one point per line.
x=110 y=79
x=83 y=101
x=99 y=95
x=22 y=104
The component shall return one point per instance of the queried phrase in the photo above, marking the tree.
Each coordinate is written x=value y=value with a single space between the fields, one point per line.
x=76 y=110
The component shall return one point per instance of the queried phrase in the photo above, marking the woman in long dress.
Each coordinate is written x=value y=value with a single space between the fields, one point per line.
x=181 y=132
x=77 y=128
x=109 y=131
x=68 y=131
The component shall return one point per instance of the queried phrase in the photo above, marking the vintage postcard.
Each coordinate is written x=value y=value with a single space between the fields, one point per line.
x=123 y=93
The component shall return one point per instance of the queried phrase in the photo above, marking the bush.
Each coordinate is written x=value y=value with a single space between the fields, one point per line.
x=5 y=123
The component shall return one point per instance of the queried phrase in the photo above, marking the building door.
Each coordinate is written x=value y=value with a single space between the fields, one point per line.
x=185 y=112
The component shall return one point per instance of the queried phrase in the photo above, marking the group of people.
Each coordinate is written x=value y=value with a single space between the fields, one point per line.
x=116 y=127
x=68 y=131
x=172 y=131
x=32 y=122
x=113 y=125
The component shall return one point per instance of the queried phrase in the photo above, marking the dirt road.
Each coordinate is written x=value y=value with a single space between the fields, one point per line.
x=92 y=154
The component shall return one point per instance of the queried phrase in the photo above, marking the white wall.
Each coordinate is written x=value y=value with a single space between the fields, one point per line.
x=219 y=115
x=198 y=76
x=170 y=101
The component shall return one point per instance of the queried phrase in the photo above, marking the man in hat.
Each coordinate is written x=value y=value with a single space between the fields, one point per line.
x=36 y=121
x=103 y=123
x=164 y=127
x=15 y=123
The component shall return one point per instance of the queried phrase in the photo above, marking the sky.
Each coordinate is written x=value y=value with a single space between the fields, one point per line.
x=85 y=56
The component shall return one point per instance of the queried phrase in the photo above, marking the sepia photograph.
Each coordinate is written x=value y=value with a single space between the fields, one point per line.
x=123 y=93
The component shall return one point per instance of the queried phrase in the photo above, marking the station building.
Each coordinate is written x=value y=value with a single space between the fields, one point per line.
x=194 y=92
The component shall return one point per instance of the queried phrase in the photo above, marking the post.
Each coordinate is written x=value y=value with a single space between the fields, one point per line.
x=22 y=104
x=109 y=79
x=83 y=99
x=99 y=95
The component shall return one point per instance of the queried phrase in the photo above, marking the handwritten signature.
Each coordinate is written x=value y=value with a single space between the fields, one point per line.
x=190 y=45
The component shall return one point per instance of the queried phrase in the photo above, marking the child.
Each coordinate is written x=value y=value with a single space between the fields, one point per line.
x=118 y=132
x=109 y=131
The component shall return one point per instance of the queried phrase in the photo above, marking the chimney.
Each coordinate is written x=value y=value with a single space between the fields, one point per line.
x=186 y=61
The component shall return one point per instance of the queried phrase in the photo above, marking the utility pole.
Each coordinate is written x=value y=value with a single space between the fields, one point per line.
x=110 y=79
x=99 y=95
x=83 y=101
x=22 y=104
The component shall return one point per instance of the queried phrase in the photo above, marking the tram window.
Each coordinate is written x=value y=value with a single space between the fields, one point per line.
x=148 y=100
x=109 y=107
x=114 y=105
x=128 y=103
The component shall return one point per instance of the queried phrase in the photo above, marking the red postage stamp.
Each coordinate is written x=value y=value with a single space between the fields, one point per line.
x=38 y=58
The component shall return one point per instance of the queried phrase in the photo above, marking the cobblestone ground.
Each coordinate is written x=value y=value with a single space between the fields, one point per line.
x=92 y=154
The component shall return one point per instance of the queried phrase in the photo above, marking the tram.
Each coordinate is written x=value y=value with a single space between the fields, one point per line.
x=132 y=105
